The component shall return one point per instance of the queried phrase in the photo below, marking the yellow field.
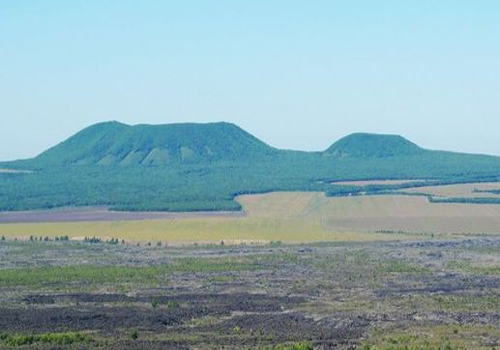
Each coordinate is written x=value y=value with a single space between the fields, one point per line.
x=377 y=213
x=292 y=217
x=215 y=230
x=459 y=191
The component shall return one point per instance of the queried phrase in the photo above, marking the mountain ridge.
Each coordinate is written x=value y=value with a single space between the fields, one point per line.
x=113 y=143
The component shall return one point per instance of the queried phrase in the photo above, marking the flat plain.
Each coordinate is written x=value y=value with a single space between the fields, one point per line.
x=292 y=217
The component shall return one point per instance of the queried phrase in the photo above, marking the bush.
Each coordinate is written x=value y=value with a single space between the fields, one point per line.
x=293 y=346
x=172 y=304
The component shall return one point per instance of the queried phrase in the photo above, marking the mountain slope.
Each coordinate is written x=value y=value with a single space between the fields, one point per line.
x=113 y=143
x=362 y=145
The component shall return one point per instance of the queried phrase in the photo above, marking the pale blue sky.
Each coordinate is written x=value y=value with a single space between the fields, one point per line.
x=297 y=74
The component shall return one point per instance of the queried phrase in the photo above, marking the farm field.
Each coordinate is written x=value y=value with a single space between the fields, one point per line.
x=409 y=214
x=472 y=190
x=288 y=217
x=374 y=182
x=428 y=294
x=202 y=230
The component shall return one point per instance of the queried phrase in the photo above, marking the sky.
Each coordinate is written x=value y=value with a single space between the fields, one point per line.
x=297 y=74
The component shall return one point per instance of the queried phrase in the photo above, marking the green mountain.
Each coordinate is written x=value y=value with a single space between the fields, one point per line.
x=189 y=167
x=113 y=143
x=362 y=145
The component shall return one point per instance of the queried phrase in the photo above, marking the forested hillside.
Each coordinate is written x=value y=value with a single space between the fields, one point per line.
x=185 y=167
x=114 y=143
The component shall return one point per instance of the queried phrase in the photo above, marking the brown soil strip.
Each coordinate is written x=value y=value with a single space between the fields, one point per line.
x=101 y=214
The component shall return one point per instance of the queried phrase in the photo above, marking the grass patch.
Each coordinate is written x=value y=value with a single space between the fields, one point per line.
x=398 y=266
x=468 y=303
x=361 y=262
x=291 y=346
x=444 y=337
x=469 y=267
x=92 y=274
x=47 y=338
x=80 y=273
x=407 y=343
x=211 y=265
x=221 y=279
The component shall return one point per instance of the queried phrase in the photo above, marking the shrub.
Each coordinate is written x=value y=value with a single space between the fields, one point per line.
x=172 y=304
x=293 y=346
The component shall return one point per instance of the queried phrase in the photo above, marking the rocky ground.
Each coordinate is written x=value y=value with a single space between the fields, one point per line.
x=427 y=294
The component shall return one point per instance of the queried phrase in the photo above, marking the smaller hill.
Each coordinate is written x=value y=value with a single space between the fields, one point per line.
x=362 y=145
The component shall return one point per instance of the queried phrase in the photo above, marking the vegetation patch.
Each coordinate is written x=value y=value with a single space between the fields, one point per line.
x=79 y=273
x=67 y=338
x=471 y=303
x=442 y=337
x=92 y=274
x=475 y=268
x=291 y=346
x=401 y=266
